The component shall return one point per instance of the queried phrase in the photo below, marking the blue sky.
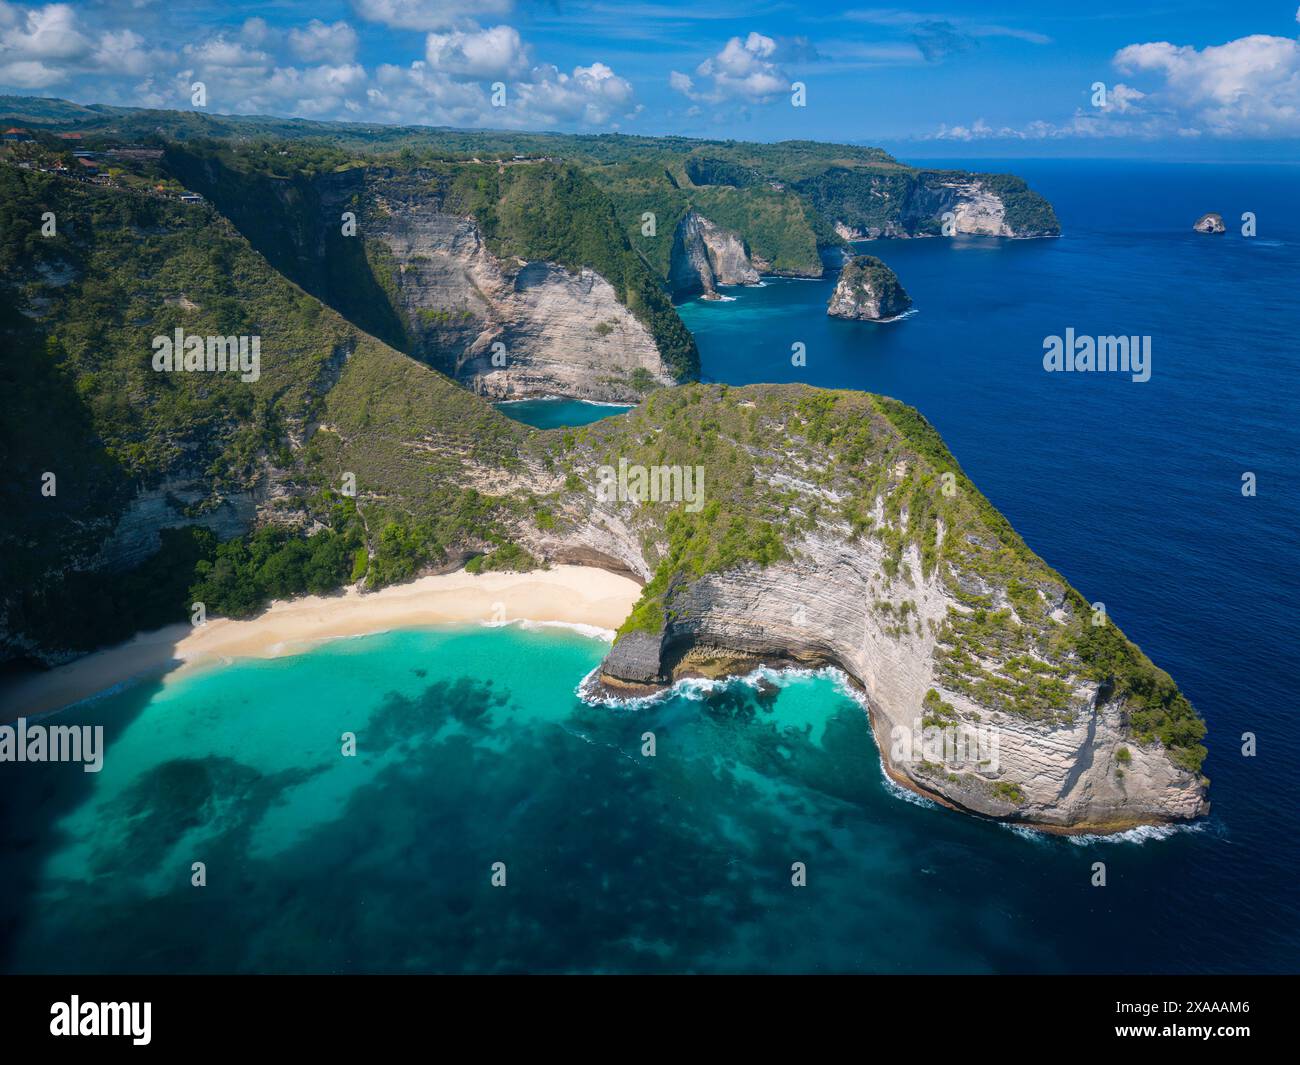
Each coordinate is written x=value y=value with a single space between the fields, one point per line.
x=1008 y=77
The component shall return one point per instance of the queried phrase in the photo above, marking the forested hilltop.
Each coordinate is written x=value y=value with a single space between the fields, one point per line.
x=785 y=199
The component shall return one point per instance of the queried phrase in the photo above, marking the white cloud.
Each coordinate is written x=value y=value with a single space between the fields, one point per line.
x=47 y=45
x=493 y=53
x=593 y=95
x=1247 y=87
x=319 y=43
x=104 y=52
x=42 y=33
x=428 y=14
x=745 y=69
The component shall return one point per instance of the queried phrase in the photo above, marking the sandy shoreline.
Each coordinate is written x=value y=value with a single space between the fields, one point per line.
x=574 y=595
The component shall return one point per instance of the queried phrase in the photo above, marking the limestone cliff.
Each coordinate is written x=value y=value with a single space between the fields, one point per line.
x=838 y=531
x=705 y=255
x=865 y=204
x=417 y=271
x=868 y=291
x=507 y=328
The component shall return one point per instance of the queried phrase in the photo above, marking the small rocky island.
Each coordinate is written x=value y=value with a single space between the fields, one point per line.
x=1210 y=223
x=868 y=291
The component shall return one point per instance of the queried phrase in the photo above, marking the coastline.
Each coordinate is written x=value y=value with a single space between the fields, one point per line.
x=580 y=596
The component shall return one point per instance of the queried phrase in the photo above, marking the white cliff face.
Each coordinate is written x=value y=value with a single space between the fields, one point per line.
x=978 y=210
x=511 y=329
x=705 y=255
x=984 y=647
x=828 y=608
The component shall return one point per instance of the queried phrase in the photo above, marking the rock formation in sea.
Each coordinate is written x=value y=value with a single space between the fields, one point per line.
x=867 y=291
x=705 y=255
x=1210 y=223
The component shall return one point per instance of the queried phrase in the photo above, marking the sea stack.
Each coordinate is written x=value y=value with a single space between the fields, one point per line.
x=868 y=291
x=1210 y=223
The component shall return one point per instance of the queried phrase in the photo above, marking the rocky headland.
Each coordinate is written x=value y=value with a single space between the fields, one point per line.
x=704 y=256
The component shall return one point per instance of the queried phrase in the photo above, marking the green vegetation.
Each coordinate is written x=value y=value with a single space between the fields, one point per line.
x=938 y=712
x=273 y=563
x=867 y=276
x=1004 y=789
x=554 y=212
x=508 y=557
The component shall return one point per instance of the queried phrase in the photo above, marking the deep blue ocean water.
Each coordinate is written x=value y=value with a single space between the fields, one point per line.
x=473 y=747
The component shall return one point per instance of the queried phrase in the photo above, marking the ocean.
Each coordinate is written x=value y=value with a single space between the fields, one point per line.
x=473 y=748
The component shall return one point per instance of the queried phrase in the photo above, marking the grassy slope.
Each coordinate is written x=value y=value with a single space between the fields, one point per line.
x=83 y=401
x=544 y=211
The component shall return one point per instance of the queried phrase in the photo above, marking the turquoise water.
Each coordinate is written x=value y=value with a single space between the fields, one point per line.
x=474 y=749
x=554 y=413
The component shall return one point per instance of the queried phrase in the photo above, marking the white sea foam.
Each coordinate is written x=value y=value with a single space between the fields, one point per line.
x=1140 y=835
x=911 y=312
x=696 y=688
x=593 y=631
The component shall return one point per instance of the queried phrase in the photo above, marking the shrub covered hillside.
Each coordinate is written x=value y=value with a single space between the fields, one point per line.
x=289 y=206
x=79 y=312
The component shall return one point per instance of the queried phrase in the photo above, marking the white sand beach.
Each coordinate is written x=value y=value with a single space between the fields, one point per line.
x=573 y=595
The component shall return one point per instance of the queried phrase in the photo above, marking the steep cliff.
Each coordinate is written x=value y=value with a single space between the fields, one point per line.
x=506 y=316
x=839 y=531
x=869 y=291
x=508 y=328
x=870 y=202
x=704 y=256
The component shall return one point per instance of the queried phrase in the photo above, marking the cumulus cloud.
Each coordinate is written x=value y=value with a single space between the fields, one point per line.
x=319 y=43
x=46 y=45
x=429 y=14
x=594 y=95
x=498 y=52
x=103 y=52
x=1247 y=87
x=745 y=69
